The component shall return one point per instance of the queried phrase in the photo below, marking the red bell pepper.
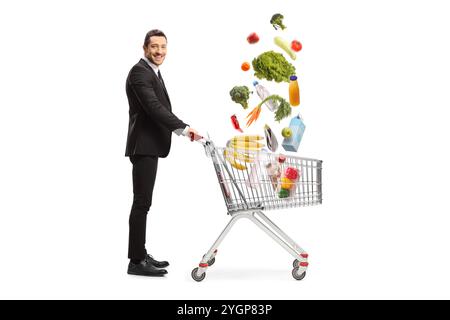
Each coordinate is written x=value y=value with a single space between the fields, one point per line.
x=235 y=123
x=253 y=38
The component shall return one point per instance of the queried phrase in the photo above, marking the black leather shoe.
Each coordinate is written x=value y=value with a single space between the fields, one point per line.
x=156 y=263
x=145 y=269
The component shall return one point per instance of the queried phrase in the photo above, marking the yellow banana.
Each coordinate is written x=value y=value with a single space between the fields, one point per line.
x=238 y=166
x=241 y=156
x=233 y=162
x=248 y=145
x=244 y=147
x=247 y=138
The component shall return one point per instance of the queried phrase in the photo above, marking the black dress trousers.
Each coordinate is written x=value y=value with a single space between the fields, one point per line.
x=144 y=175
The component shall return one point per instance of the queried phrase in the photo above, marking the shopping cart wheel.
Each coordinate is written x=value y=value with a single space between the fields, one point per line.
x=197 y=278
x=296 y=275
x=211 y=261
x=295 y=263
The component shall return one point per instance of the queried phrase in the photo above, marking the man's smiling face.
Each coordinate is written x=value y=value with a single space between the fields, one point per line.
x=156 y=50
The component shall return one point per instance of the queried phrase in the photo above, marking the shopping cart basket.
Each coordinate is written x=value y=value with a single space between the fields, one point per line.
x=250 y=191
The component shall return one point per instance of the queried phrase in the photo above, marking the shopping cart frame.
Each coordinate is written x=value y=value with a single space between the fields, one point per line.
x=253 y=211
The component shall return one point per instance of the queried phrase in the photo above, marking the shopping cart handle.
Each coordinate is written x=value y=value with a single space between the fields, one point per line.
x=205 y=141
x=194 y=136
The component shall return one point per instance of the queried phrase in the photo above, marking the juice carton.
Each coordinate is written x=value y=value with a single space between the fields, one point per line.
x=298 y=128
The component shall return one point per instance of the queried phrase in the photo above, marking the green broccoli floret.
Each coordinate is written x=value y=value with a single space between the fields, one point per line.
x=277 y=21
x=240 y=94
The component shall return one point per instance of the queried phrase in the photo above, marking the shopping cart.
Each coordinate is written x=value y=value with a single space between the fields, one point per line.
x=250 y=191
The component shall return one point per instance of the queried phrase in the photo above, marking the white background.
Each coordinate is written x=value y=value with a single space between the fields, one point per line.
x=374 y=78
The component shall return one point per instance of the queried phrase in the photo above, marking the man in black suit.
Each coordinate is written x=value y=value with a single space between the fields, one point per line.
x=149 y=137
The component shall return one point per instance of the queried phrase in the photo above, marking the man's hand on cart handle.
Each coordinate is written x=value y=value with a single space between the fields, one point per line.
x=193 y=135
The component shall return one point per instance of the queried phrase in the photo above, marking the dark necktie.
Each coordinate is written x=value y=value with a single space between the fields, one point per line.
x=162 y=82
x=161 y=79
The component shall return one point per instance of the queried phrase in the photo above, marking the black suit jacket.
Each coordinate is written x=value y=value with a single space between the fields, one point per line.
x=151 y=119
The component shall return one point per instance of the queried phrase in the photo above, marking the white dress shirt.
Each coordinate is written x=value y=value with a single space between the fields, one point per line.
x=155 y=68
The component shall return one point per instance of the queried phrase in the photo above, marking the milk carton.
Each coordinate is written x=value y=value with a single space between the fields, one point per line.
x=298 y=128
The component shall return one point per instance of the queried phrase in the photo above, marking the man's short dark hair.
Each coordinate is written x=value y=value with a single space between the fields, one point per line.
x=153 y=33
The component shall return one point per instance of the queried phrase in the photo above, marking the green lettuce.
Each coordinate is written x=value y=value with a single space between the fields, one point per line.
x=271 y=65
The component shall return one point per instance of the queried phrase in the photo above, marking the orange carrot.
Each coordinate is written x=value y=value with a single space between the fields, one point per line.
x=253 y=115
